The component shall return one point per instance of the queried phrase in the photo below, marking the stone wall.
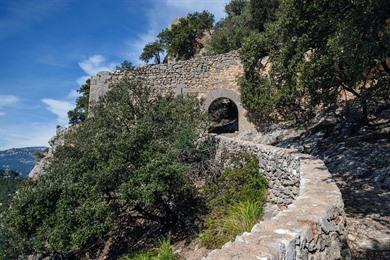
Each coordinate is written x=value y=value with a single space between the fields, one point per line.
x=312 y=225
x=206 y=77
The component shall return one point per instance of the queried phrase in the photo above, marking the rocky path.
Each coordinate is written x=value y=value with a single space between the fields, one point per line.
x=360 y=165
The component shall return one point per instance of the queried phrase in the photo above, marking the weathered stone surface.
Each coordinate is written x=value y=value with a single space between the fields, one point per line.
x=54 y=142
x=312 y=225
x=206 y=77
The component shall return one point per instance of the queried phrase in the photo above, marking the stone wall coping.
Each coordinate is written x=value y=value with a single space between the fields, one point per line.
x=313 y=225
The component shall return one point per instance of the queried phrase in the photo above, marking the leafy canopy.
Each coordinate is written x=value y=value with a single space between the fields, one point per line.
x=318 y=49
x=243 y=18
x=122 y=173
x=181 y=40
x=153 y=51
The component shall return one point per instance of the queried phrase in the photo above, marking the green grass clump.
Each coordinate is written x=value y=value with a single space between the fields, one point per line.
x=164 y=252
x=236 y=200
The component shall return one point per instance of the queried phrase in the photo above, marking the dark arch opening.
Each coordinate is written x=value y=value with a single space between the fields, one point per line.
x=223 y=114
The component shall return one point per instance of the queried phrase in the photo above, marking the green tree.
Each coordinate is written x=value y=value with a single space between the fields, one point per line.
x=262 y=12
x=180 y=40
x=80 y=112
x=235 y=7
x=318 y=49
x=125 y=65
x=122 y=173
x=244 y=18
x=153 y=51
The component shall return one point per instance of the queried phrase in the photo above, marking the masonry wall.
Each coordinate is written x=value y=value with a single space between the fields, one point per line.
x=312 y=225
x=196 y=77
x=207 y=78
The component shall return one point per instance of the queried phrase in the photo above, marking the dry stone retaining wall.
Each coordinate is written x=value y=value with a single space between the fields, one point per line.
x=312 y=225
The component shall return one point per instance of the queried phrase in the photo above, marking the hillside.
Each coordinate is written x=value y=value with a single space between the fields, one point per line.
x=19 y=159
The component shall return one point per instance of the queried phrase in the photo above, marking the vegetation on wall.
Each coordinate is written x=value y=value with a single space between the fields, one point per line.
x=125 y=65
x=80 y=112
x=116 y=178
x=181 y=40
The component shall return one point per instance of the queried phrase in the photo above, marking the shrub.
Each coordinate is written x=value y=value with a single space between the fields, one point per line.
x=236 y=199
x=123 y=172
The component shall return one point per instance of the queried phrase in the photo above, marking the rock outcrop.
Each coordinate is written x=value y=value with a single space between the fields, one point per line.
x=54 y=142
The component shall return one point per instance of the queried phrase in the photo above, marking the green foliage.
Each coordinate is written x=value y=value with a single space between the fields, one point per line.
x=80 y=112
x=319 y=48
x=224 y=226
x=235 y=7
x=9 y=181
x=244 y=18
x=180 y=40
x=262 y=12
x=164 y=252
x=125 y=65
x=236 y=199
x=115 y=178
x=153 y=51
x=38 y=155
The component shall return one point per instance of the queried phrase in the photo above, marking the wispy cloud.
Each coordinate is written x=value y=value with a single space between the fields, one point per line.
x=8 y=100
x=73 y=94
x=38 y=134
x=94 y=64
x=164 y=12
x=59 y=107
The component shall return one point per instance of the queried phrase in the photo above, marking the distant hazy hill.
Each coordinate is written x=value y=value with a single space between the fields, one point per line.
x=19 y=159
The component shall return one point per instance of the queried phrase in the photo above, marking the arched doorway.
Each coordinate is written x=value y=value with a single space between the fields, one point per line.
x=223 y=115
x=234 y=97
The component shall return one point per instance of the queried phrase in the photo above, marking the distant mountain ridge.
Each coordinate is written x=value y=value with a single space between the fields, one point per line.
x=20 y=160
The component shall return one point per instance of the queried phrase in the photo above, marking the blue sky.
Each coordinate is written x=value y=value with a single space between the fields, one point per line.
x=49 y=47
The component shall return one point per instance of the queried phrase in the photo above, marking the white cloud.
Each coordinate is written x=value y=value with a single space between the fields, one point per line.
x=82 y=80
x=73 y=94
x=95 y=64
x=8 y=100
x=164 y=12
x=24 y=135
x=59 y=108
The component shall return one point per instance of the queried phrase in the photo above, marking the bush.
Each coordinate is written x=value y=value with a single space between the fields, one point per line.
x=123 y=172
x=236 y=199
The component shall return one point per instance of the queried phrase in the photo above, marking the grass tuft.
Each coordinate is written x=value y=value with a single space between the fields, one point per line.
x=164 y=252
x=236 y=203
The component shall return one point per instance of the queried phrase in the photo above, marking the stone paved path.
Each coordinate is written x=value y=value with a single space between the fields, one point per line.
x=360 y=165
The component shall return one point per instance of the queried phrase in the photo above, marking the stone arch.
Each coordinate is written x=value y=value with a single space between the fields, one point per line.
x=243 y=123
